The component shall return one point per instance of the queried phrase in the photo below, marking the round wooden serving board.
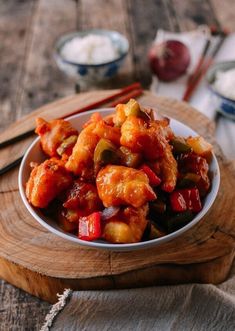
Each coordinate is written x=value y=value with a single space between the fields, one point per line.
x=43 y=264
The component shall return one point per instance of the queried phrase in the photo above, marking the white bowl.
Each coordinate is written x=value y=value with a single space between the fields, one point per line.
x=35 y=154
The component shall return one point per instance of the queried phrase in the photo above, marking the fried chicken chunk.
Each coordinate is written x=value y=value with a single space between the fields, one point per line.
x=119 y=116
x=126 y=227
x=106 y=131
x=104 y=128
x=118 y=185
x=47 y=181
x=169 y=171
x=53 y=134
x=163 y=125
x=81 y=160
x=143 y=137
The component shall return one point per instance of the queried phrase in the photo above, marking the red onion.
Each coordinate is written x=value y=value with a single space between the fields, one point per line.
x=109 y=212
x=169 y=60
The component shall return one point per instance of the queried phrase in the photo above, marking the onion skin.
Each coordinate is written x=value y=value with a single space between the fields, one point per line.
x=169 y=60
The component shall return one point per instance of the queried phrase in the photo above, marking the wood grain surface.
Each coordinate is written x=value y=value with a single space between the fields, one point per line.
x=27 y=249
x=29 y=77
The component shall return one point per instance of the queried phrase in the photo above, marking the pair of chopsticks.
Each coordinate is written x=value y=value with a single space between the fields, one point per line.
x=205 y=61
x=132 y=91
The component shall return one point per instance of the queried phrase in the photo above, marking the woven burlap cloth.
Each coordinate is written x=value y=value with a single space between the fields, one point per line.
x=194 y=307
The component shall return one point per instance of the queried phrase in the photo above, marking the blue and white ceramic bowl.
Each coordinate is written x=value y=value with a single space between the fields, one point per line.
x=224 y=105
x=92 y=73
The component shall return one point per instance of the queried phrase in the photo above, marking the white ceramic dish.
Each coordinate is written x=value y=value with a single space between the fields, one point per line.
x=35 y=154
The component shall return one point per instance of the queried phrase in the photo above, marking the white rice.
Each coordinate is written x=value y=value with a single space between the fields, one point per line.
x=91 y=49
x=225 y=83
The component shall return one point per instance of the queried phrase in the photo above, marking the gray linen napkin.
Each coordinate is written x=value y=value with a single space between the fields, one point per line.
x=184 y=307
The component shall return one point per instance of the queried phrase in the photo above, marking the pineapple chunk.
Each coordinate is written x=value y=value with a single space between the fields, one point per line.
x=132 y=108
x=118 y=232
x=126 y=227
x=201 y=147
x=119 y=116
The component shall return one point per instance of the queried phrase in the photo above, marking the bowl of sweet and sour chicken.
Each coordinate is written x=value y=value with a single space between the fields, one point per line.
x=118 y=179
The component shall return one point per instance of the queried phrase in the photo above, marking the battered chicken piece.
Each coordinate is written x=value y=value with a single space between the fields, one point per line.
x=95 y=117
x=81 y=160
x=53 y=134
x=106 y=131
x=118 y=185
x=127 y=227
x=119 y=116
x=109 y=119
x=47 y=181
x=143 y=137
x=169 y=170
x=163 y=125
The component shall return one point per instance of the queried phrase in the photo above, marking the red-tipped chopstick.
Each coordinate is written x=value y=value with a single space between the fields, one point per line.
x=196 y=80
x=202 y=67
x=131 y=91
x=200 y=62
x=123 y=92
x=126 y=98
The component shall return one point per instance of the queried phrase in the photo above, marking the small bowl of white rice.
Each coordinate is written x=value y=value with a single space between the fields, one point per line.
x=221 y=80
x=92 y=56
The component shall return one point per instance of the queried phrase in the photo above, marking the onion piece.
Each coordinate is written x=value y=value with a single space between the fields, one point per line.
x=109 y=212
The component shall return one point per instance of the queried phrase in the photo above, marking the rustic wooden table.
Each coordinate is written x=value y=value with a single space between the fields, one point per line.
x=30 y=78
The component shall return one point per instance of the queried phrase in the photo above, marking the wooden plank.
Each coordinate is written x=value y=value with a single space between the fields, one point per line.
x=172 y=14
x=192 y=13
x=145 y=19
x=19 y=310
x=225 y=11
x=94 y=14
x=15 y=21
x=43 y=81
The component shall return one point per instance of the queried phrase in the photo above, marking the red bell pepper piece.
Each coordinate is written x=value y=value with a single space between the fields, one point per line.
x=194 y=201
x=178 y=202
x=154 y=180
x=186 y=199
x=89 y=227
